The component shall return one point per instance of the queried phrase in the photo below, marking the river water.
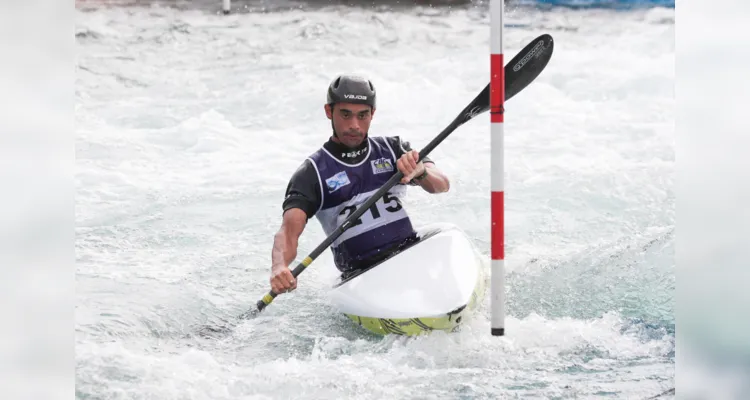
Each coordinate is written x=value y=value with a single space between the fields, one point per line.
x=190 y=123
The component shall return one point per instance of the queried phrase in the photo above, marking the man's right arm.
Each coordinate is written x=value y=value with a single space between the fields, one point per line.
x=285 y=250
x=301 y=202
x=286 y=239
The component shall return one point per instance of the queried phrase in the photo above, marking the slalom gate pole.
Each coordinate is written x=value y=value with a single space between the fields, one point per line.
x=497 y=110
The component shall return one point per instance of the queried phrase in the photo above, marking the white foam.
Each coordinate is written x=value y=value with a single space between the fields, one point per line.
x=189 y=126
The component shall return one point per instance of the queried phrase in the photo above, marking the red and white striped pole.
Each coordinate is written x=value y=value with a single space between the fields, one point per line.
x=497 y=101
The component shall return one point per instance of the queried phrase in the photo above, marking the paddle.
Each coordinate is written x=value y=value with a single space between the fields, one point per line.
x=519 y=73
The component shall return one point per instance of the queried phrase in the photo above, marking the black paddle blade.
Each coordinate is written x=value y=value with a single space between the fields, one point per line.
x=214 y=332
x=527 y=65
x=253 y=312
x=519 y=73
x=226 y=327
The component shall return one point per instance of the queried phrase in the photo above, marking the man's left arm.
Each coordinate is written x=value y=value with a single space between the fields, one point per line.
x=432 y=179
x=424 y=174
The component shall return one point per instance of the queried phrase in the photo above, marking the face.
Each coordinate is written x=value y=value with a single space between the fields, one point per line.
x=351 y=122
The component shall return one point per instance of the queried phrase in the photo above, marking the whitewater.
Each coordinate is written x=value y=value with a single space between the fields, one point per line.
x=190 y=123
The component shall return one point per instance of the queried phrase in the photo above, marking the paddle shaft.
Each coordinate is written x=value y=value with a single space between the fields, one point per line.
x=519 y=73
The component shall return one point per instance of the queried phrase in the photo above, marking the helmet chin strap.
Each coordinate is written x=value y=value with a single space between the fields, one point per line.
x=334 y=131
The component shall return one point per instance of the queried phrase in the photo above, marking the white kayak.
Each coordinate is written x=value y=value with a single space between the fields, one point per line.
x=432 y=285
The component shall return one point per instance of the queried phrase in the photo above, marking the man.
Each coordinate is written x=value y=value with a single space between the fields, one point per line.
x=343 y=174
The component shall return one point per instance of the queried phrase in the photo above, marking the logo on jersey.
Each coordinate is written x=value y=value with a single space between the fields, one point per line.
x=381 y=165
x=337 y=181
x=355 y=153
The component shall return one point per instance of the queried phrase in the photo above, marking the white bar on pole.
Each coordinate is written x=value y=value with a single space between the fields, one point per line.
x=496 y=26
x=227 y=6
x=497 y=169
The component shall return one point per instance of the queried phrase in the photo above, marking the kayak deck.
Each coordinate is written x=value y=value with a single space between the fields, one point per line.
x=431 y=285
x=449 y=322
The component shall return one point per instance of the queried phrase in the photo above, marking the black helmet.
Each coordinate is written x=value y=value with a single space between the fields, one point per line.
x=351 y=89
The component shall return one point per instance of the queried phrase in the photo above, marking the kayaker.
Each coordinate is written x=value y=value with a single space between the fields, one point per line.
x=345 y=172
